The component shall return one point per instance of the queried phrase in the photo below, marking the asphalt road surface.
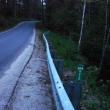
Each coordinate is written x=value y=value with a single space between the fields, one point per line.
x=13 y=41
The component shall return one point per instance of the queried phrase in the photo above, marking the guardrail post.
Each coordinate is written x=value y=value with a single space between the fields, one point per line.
x=52 y=50
x=76 y=94
x=47 y=34
x=59 y=64
x=77 y=86
x=74 y=90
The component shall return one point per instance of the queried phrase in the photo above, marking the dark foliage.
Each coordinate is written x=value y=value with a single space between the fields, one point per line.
x=65 y=17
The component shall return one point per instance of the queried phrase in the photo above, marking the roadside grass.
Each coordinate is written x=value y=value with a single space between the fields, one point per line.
x=66 y=49
x=95 y=96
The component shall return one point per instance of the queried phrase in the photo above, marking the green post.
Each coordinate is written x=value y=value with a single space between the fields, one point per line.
x=80 y=72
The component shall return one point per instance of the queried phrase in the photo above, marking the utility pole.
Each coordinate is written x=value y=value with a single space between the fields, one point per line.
x=82 y=25
x=42 y=11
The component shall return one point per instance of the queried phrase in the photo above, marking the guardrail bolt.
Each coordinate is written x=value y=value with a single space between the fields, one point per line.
x=59 y=64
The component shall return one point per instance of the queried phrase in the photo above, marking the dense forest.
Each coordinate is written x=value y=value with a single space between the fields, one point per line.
x=65 y=16
x=18 y=10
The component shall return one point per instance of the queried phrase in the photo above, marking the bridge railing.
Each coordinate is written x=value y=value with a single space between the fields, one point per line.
x=61 y=98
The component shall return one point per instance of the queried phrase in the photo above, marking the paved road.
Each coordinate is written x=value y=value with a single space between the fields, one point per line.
x=13 y=41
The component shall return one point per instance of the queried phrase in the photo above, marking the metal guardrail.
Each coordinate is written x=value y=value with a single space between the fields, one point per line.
x=61 y=98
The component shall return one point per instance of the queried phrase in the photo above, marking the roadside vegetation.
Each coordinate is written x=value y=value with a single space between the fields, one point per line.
x=8 y=23
x=67 y=50
x=94 y=95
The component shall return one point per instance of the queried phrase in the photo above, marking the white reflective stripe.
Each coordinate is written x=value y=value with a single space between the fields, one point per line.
x=60 y=91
